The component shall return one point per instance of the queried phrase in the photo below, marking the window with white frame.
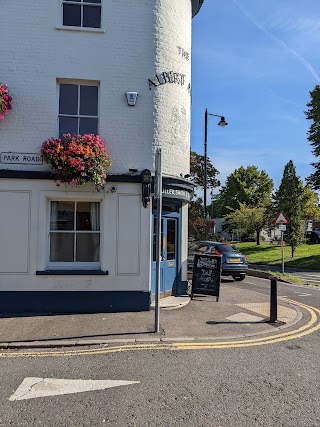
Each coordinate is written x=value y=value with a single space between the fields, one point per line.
x=74 y=233
x=81 y=13
x=78 y=109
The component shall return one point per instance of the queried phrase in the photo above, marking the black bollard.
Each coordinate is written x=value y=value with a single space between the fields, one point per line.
x=273 y=300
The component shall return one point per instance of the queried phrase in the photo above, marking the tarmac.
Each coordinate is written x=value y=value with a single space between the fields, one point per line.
x=238 y=314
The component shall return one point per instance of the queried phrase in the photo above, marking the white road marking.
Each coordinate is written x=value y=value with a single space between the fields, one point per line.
x=304 y=295
x=244 y=317
x=32 y=387
x=316 y=288
x=311 y=275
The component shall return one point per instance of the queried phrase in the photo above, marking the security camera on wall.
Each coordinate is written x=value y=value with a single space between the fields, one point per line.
x=132 y=98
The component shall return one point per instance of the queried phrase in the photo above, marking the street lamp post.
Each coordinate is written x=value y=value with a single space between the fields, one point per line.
x=222 y=123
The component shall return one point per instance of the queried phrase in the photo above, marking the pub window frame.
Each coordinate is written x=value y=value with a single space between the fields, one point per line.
x=78 y=116
x=82 y=4
x=65 y=265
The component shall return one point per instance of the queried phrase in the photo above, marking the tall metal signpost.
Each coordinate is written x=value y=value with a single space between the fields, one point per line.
x=282 y=222
x=158 y=197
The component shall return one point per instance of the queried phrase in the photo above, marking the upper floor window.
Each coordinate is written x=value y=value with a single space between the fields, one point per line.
x=78 y=109
x=82 y=13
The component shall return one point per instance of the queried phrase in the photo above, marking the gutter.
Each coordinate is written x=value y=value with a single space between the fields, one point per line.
x=196 y=6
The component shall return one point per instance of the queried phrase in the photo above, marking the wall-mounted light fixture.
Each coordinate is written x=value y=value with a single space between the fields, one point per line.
x=146 y=180
x=132 y=98
x=133 y=170
x=112 y=189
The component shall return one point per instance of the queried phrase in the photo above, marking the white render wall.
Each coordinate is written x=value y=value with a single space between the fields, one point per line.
x=138 y=40
x=172 y=101
x=24 y=238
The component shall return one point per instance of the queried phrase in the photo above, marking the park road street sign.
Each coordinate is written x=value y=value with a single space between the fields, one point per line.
x=281 y=219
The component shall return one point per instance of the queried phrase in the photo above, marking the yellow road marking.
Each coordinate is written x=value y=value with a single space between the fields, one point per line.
x=307 y=329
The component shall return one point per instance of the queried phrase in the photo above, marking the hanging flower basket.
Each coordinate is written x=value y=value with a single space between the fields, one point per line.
x=5 y=100
x=77 y=159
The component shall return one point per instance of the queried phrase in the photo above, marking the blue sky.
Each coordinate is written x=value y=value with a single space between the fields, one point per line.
x=255 y=62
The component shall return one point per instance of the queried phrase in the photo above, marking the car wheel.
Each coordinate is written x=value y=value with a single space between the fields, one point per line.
x=239 y=278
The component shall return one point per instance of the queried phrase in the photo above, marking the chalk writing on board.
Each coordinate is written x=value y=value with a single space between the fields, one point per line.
x=206 y=275
x=206 y=262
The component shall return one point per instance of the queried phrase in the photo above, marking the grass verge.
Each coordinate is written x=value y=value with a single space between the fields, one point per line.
x=306 y=255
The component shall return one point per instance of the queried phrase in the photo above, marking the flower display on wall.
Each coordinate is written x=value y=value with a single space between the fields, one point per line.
x=5 y=100
x=77 y=159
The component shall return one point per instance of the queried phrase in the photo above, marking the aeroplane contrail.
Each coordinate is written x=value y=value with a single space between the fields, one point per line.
x=280 y=42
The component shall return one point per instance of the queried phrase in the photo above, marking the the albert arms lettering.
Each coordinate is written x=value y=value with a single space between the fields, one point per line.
x=167 y=77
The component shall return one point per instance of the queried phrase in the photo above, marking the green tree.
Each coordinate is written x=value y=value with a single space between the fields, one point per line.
x=245 y=185
x=289 y=199
x=311 y=208
x=314 y=134
x=216 y=208
x=248 y=220
x=198 y=227
x=197 y=172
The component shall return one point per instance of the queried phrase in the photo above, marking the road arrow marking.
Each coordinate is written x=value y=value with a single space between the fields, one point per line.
x=33 y=387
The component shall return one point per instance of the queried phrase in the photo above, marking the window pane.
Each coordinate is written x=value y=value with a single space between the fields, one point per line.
x=87 y=247
x=88 y=126
x=62 y=215
x=88 y=216
x=68 y=125
x=61 y=247
x=89 y=100
x=171 y=239
x=72 y=15
x=68 y=99
x=92 y=16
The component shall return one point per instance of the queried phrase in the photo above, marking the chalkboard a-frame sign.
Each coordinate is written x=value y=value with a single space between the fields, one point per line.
x=206 y=275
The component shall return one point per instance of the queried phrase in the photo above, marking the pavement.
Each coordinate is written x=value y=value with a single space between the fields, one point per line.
x=239 y=313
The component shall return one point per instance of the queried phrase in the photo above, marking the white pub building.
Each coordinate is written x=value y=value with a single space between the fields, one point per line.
x=121 y=70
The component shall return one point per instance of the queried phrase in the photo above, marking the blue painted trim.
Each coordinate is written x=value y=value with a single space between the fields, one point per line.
x=55 y=302
x=72 y=273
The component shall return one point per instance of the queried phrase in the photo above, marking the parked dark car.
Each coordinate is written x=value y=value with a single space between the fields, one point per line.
x=233 y=262
x=313 y=236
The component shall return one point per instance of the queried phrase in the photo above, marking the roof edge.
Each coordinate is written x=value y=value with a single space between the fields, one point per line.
x=196 y=6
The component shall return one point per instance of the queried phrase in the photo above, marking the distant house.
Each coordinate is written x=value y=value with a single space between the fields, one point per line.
x=265 y=235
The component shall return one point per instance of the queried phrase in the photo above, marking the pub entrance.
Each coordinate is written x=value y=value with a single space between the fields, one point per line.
x=170 y=250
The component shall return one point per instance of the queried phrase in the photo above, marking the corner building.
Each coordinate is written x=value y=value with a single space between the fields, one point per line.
x=76 y=66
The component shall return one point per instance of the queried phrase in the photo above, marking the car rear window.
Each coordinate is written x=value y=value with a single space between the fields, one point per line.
x=226 y=248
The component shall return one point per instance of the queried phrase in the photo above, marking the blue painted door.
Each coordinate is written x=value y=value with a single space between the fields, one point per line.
x=169 y=253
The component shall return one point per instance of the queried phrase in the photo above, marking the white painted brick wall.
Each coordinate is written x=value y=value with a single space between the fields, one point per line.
x=140 y=38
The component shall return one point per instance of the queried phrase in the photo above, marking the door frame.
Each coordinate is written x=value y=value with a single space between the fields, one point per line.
x=163 y=291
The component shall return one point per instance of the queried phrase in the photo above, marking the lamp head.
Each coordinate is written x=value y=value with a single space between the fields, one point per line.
x=222 y=122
